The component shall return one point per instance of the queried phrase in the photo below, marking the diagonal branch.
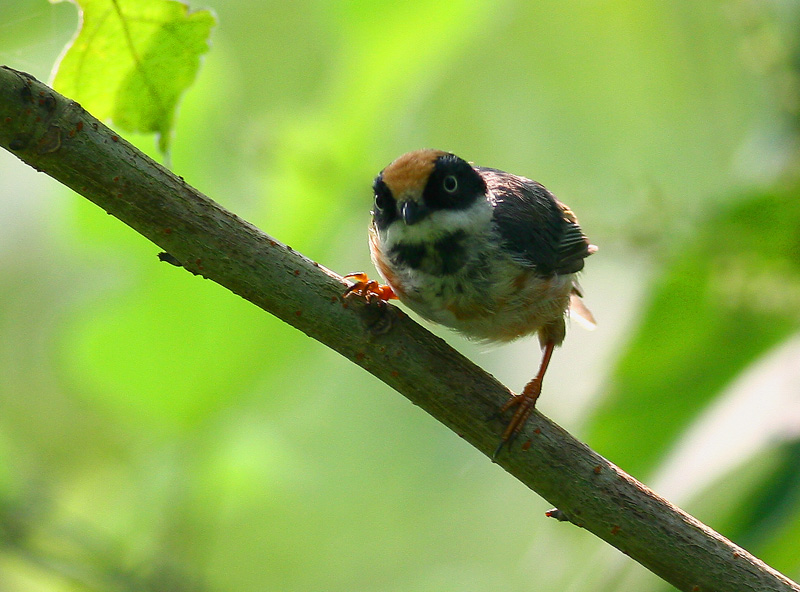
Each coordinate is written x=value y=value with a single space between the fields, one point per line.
x=57 y=136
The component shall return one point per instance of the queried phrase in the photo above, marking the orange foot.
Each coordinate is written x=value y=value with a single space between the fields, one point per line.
x=525 y=403
x=367 y=288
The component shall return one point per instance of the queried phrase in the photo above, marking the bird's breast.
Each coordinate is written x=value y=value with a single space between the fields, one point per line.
x=476 y=289
x=444 y=256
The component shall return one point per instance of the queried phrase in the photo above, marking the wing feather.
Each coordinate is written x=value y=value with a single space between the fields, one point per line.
x=540 y=230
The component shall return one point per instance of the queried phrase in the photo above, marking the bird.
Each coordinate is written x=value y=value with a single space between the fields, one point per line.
x=491 y=254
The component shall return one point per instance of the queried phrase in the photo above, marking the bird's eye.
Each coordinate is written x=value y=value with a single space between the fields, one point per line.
x=450 y=183
x=383 y=200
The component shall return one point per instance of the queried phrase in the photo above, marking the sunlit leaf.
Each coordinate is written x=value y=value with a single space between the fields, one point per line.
x=132 y=59
x=731 y=295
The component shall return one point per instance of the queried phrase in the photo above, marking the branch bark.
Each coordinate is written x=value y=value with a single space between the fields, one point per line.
x=57 y=136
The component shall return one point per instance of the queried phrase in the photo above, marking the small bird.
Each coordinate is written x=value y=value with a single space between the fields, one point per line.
x=487 y=253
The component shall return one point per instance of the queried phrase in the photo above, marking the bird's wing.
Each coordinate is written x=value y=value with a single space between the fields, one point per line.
x=535 y=226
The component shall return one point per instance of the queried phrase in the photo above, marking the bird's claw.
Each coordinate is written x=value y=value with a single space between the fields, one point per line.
x=375 y=314
x=368 y=289
x=525 y=403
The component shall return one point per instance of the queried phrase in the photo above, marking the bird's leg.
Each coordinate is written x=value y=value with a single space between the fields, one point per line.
x=367 y=288
x=525 y=402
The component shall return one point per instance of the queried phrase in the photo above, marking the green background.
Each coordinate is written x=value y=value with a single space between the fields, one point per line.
x=158 y=433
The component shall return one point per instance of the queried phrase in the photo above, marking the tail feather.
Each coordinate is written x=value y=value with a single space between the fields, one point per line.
x=579 y=312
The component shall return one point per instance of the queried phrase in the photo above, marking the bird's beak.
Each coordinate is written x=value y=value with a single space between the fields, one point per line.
x=412 y=212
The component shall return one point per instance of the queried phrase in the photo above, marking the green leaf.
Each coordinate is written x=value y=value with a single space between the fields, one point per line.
x=729 y=297
x=132 y=59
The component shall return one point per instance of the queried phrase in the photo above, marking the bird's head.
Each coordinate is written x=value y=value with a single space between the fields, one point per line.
x=427 y=192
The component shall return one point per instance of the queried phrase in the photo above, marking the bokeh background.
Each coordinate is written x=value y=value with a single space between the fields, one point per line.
x=159 y=433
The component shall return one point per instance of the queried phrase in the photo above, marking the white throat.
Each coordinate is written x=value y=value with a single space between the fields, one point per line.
x=474 y=220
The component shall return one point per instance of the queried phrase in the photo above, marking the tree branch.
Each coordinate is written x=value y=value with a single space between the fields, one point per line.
x=57 y=136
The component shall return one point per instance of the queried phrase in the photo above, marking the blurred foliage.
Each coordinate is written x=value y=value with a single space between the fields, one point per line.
x=768 y=516
x=159 y=434
x=726 y=299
